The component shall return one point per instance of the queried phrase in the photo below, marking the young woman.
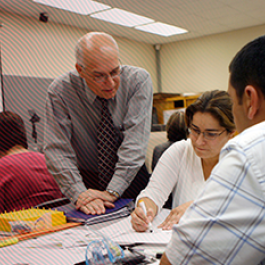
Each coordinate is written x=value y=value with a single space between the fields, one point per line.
x=186 y=165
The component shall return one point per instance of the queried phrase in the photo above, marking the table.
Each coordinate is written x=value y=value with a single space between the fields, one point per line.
x=28 y=252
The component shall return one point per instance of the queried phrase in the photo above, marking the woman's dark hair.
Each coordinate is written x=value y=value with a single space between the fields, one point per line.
x=12 y=131
x=176 y=127
x=218 y=103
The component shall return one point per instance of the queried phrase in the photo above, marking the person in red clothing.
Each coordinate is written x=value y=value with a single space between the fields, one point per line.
x=24 y=179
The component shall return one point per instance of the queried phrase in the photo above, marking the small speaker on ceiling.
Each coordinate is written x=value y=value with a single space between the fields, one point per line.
x=43 y=17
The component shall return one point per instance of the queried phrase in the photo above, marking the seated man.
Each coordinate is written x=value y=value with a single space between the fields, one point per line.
x=24 y=178
x=225 y=224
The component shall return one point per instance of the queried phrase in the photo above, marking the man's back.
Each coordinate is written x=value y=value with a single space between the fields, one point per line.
x=230 y=214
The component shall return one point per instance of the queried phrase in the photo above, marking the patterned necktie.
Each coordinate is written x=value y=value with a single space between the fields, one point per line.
x=107 y=146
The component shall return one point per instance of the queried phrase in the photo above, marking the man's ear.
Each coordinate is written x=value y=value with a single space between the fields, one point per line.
x=232 y=134
x=252 y=101
x=79 y=69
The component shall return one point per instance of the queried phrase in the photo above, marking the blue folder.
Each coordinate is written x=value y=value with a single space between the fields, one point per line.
x=123 y=207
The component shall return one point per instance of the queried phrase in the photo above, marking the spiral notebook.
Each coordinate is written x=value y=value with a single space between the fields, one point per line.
x=123 y=207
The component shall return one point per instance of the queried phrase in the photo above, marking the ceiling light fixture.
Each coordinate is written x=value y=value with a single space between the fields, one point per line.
x=82 y=7
x=122 y=17
x=161 y=29
x=114 y=15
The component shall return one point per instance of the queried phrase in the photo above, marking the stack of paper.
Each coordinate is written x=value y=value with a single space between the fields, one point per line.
x=123 y=233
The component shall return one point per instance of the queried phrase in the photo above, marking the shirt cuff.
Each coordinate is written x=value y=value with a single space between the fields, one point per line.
x=75 y=190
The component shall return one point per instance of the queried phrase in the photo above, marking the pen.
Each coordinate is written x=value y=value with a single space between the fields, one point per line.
x=142 y=205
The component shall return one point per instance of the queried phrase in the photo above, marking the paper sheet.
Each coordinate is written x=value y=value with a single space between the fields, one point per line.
x=123 y=233
x=15 y=255
x=72 y=238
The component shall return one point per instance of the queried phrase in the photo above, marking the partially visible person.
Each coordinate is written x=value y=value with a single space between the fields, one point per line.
x=225 y=224
x=24 y=178
x=186 y=165
x=73 y=118
x=176 y=130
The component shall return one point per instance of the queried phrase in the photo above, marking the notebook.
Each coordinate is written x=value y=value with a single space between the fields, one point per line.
x=123 y=207
x=123 y=233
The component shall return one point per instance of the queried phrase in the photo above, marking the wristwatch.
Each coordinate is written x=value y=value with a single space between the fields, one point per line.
x=114 y=193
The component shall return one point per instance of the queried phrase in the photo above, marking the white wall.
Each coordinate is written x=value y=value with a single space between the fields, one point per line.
x=34 y=48
x=34 y=53
x=202 y=64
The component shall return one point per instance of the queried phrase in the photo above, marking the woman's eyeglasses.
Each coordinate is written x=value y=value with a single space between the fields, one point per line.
x=207 y=135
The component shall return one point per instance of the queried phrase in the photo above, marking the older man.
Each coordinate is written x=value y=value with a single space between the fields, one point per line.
x=225 y=224
x=101 y=110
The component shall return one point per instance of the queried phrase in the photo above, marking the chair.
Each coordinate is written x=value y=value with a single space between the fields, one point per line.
x=155 y=139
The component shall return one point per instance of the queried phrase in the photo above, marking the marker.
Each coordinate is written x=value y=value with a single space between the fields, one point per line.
x=142 y=205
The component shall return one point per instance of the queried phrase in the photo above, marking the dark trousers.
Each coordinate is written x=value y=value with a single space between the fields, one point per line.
x=140 y=181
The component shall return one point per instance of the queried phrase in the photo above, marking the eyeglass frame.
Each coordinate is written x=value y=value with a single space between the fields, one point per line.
x=203 y=133
x=104 y=76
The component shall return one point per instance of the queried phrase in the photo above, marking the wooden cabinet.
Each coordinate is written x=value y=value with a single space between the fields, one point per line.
x=169 y=101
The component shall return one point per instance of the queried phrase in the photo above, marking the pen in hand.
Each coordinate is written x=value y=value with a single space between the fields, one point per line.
x=142 y=205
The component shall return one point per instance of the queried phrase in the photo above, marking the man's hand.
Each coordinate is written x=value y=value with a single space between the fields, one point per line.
x=89 y=195
x=174 y=216
x=96 y=206
x=94 y=201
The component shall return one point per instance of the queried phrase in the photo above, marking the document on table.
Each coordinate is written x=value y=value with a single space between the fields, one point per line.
x=71 y=238
x=123 y=233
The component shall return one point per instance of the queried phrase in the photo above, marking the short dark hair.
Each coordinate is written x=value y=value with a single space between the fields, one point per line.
x=218 y=103
x=248 y=67
x=176 y=127
x=12 y=131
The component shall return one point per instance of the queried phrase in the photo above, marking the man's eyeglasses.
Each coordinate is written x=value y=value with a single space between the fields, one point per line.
x=102 y=77
x=207 y=135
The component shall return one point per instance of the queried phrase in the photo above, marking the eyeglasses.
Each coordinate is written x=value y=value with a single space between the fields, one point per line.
x=206 y=135
x=102 y=77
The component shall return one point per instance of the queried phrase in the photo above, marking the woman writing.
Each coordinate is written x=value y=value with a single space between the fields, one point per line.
x=186 y=165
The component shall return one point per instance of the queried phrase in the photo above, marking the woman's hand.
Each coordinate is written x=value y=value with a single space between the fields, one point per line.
x=139 y=220
x=174 y=216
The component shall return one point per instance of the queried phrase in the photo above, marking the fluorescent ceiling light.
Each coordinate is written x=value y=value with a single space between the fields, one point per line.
x=122 y=17
x=161 y=29
x=82 y=7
